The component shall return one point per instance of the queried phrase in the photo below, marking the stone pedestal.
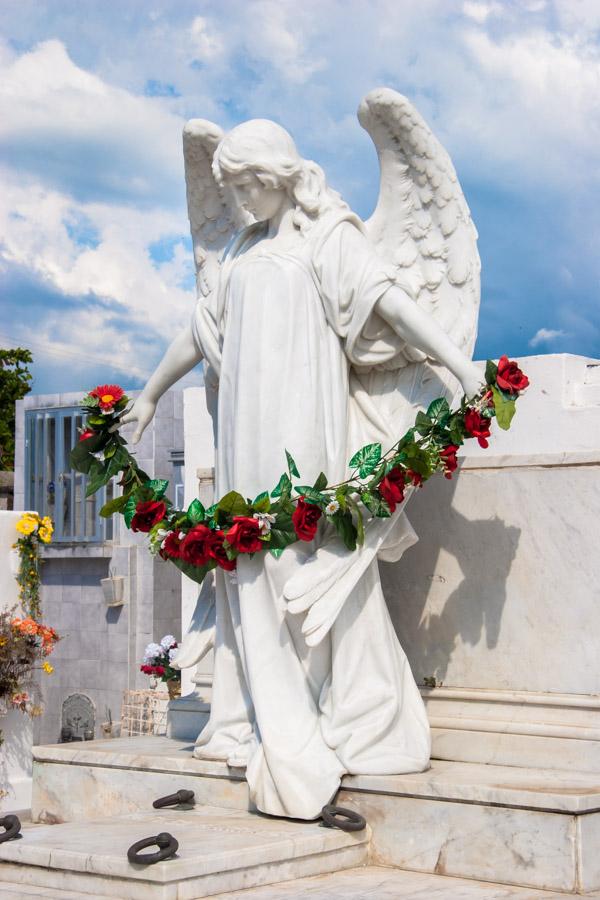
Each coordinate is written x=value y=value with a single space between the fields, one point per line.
x=499 y=602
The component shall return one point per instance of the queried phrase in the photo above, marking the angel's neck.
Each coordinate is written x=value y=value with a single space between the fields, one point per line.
x=282 y=223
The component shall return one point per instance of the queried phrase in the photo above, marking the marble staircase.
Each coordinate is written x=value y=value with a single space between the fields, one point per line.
x=220 y=850
x=534 y=828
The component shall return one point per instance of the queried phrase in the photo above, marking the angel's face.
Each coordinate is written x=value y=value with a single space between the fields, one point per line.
x=250 y=194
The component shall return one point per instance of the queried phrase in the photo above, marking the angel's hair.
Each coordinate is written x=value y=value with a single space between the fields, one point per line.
x=268 y=151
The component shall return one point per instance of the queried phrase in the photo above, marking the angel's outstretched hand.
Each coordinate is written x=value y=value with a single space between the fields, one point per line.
x=141 y=412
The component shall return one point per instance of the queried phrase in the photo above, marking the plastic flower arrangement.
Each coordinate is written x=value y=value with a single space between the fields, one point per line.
x=158 y=659
x=24 y=646
x=34 y=530
x=197 y=540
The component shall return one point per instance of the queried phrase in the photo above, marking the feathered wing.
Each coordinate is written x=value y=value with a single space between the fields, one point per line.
x=213 y=223
x=422 y=225
x=213 y=219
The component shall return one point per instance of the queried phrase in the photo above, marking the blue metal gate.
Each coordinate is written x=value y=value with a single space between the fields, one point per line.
x=51 y=486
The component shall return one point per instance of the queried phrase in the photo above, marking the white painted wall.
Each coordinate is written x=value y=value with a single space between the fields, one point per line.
x=16 y=727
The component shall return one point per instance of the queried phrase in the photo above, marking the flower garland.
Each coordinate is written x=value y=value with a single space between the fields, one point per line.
x=197 y=540
x=33 y=530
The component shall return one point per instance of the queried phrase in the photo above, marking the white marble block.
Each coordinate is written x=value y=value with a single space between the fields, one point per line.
x=500 y=599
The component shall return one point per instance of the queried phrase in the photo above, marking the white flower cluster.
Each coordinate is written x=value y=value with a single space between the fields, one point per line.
x=151 y=653
x=154 y=652
x=265 y=521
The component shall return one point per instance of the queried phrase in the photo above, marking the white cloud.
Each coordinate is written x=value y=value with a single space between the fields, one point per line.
x=546 y=336
x=207 y=43
x=77 y=130
x=479 y=11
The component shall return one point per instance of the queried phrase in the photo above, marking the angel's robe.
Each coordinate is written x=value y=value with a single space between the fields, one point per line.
x=284 y=332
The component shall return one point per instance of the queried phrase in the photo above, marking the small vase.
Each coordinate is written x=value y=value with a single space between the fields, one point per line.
x=174 y=688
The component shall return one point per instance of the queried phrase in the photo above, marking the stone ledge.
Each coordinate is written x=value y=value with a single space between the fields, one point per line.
x=549 y=790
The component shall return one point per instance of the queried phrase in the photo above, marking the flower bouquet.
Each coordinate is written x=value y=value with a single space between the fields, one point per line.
x=157 y=663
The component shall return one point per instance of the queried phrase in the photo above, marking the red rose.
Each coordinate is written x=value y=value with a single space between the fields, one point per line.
x=477 y=426
x=244 y=535
x=217 y=552
x=147 y=514
x=159 y=670
x=510 y=378
x=108 y=395
x=195 y=546
x=171 y=547
x=86 y=434
x=147 y=670
x=448 y=457
x=416 y=479
x=305 y=519
x=391 y=487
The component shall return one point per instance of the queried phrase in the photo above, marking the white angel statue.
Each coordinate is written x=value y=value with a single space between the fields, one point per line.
x=320 y=333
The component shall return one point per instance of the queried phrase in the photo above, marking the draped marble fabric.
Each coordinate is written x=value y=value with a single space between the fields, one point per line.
x=284 y=332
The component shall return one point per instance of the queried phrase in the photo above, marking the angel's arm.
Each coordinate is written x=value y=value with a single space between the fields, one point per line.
x=419 y=329
x=181 y=357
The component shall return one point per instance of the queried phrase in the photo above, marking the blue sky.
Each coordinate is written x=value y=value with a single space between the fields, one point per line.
x=95 y=256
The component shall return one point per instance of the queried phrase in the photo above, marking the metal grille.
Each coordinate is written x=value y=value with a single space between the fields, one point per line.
x=144 y=712
x=52 y=488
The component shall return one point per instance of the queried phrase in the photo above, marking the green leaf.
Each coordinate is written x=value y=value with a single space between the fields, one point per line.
x=94 y=421
x=81 y=456
x=360 y=525
x=417 y=459
x=491 y=372
x=321 y=482
x=262 y=503
x=117 y=504
x=158 y=486
x=196 y=573
x=129 y=510
x=293 y=468
x=276 y=551
x=505 y=408
x=98 y=479
x=407 y=439
x=438 y=408
x=375 y=504
x=423 y=423
x=366 y=459
x=196 y=512
x=284 y=486
x=233 y=504
x=345 y=528
x=310 y=495
x=282 y=532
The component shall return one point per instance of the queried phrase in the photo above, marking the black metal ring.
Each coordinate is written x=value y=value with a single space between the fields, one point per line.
x=165 y=841
x=181 y=796
x=345 y=819
x=12 y=826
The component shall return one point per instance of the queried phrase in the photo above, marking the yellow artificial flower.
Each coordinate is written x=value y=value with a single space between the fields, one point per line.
x=48 y=669
x=26 y=524
x=45 y=534
x=47 y=523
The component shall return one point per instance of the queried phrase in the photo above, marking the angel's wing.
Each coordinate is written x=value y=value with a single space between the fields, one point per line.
x=422 y=225
x=213 y=219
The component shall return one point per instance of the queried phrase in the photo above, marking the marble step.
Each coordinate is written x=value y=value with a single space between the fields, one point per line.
x=538 y=828
x=220 y=850
x=365 y=883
